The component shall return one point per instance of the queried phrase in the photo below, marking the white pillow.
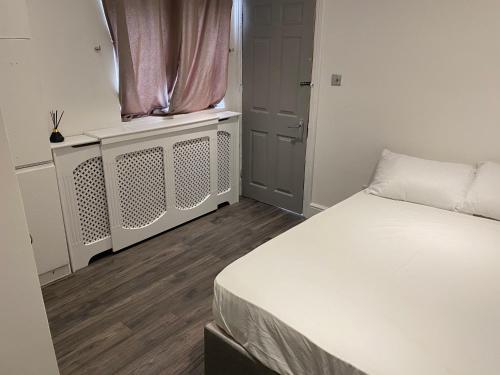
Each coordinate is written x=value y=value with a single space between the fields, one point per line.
x=483 y=198
x=432 y=183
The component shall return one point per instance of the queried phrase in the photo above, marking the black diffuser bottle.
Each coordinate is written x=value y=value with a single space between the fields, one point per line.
x=55 y=136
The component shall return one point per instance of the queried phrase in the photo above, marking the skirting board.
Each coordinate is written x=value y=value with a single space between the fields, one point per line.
x=313 y=209
x=54 y=275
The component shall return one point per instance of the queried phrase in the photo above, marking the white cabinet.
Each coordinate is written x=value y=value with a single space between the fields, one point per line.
x=122 y=185
x=157 y=183
x=45 y=222
x=14 y=22
x=26 y=345
x=228 y=161
x=20 y=94
x=80 y=176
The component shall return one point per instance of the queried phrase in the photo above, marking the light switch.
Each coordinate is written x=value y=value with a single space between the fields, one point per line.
x=336 y=80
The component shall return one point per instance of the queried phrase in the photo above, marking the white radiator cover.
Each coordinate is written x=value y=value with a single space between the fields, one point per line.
x=141 y=187
x=228 y=161
x=84 y=202
x=223 y=161
x=192 y=173
x=119 y=193
x=88 y=178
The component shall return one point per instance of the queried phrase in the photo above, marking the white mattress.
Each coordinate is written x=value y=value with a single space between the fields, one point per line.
x=370 y=286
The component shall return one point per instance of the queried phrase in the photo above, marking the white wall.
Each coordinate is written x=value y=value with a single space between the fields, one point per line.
x=25 y=343
x=79 y=80
x=419 y=77
x=20 y=103
x=74 y=76
x=13 y=19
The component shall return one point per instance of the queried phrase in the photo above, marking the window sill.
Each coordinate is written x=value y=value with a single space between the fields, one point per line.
x=156 y=126
x=151 y=120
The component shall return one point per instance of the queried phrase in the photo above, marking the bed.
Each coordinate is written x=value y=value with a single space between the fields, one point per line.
x=370 y=286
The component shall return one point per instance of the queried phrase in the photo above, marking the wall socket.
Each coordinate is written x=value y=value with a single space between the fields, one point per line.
x=336 y=80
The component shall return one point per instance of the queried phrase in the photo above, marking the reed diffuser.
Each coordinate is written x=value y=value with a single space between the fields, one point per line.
x=56 y=137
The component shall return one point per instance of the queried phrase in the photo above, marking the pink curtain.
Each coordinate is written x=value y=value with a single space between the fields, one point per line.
x=172 y=54
x=202 y=75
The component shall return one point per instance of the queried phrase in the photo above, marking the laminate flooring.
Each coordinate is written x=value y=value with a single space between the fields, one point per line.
x=142 y=310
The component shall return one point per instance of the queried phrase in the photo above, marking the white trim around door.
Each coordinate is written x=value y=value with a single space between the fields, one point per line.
x=310 y=208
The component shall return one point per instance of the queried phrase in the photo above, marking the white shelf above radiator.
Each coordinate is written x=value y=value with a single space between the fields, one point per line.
x=156 y=126
x=72 y=141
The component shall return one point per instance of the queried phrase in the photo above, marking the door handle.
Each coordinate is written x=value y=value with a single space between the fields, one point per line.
x=300 y=126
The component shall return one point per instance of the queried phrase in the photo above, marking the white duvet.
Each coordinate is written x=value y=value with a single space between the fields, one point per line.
x=370 y=286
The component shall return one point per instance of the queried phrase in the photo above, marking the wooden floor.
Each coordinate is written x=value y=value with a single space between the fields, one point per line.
x=142 y=311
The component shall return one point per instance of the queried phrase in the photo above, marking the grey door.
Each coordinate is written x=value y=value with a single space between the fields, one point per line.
x=277 y=65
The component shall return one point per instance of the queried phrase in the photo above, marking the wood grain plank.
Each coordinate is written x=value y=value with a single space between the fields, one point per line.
x=142 y=310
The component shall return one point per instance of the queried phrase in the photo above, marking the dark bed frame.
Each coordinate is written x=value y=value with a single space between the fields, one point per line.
x=223 y=356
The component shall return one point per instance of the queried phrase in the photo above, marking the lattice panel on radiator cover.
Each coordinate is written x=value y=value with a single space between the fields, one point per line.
x=191 y=172
x=223 y=162
x=141 y=187
x=91 y=200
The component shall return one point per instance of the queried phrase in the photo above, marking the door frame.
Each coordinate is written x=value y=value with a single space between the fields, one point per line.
x=308 y=207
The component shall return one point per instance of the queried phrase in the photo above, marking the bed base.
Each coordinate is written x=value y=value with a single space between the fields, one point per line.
x=223 y=356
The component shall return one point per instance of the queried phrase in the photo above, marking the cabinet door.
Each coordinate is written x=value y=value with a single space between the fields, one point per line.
x=43 y=213
x=26 y=346
x=20 y=94
x=14 y=23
